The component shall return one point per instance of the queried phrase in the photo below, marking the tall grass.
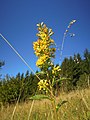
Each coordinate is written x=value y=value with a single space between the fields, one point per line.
x=77 y=108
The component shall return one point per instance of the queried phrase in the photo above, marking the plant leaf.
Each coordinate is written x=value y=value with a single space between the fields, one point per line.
x=64 y=78
x=60 y=104
x=39 y=97
x=42 y=72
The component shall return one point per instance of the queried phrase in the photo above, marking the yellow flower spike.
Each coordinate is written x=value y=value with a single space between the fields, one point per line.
x=42 y=46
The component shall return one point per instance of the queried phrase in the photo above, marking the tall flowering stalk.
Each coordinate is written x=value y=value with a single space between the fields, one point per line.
x=42 y=46
x=65 y=34
x=44 y=49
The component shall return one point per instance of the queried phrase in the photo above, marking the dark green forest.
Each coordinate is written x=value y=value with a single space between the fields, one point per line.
x=74 y=74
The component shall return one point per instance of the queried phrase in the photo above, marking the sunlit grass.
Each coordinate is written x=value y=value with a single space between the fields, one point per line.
x=75 y=109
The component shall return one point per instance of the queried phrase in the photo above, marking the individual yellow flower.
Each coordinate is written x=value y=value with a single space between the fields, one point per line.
x=42 y=35
x=43 y=47
x=39 y=28
x=42 y=60
x=56 y=69
x=51 y=41
x=45 y=30
x=37 y=53
x=35 y=45
x=39 y=62
x=42 y=84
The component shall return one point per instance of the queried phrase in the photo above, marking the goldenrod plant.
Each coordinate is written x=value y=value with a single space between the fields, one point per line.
x=44 y=49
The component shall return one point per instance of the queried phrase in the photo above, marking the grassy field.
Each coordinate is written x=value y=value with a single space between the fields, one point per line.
x=77 y=108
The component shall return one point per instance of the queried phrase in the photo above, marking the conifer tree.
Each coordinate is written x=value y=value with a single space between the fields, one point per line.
x=87 y=65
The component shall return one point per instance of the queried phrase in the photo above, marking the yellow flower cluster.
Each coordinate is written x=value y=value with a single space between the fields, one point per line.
x=42 y=60
x=42 y=84
x=42 y=46
x=56 y=69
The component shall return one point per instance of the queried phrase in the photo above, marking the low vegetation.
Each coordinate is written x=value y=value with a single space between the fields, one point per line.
x=76 y=108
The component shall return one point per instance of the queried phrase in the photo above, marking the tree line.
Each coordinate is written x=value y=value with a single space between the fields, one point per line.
x=74 y=74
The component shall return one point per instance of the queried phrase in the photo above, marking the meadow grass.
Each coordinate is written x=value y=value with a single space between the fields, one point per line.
x=77 y=108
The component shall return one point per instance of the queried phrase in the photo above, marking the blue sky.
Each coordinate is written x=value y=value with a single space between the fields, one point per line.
x=18 y=19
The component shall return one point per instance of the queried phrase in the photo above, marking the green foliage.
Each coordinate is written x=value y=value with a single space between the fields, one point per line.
x=2 y=63
x=74 y=74
x=9 y=91
x=13 y=87
x=83 y=81
x=39 y=97
x=60 y=104
x=78 y=70
x=74 y=109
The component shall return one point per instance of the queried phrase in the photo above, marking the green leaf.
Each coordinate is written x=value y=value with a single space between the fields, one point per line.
x=39 y=97
x=64 y=78
x=53 y=81
x=59 y=105
x=42 y=72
